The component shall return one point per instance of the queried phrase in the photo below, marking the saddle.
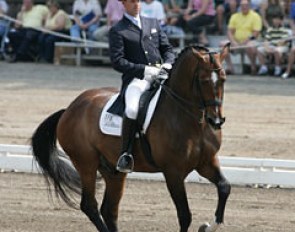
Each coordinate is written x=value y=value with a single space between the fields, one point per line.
x=111 y=124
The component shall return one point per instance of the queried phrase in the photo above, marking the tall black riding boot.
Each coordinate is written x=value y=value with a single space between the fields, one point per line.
x=126 y=163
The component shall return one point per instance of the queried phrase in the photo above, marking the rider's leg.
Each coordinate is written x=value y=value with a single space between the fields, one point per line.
x=132 y=96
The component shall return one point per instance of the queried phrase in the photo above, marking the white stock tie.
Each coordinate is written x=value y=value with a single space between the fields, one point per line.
x=136 y=22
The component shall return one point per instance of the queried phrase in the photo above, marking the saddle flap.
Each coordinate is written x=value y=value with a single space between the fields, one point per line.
x=111 y=124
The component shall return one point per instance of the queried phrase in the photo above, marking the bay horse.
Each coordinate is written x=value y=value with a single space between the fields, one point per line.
x=184 y=135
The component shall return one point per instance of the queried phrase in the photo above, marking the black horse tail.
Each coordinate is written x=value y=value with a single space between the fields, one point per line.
x=56 y=170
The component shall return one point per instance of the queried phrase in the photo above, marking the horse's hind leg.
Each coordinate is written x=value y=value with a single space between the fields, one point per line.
x=88 y=174
x=112 y=196
x=176 y=187
x=212 y=172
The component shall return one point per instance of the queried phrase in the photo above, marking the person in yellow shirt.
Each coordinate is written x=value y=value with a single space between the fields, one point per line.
x=57 y=21
x=25 y=34
x=243 y=28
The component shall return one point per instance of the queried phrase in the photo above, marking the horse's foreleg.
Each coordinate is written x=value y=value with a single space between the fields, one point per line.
x=112 y=196
x=176 y=187
x=88 y=203
x=212 y=172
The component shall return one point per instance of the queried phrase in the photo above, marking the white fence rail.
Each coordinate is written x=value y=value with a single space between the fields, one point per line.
x=240 y=171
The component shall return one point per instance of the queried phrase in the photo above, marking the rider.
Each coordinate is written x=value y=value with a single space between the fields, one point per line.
x=138 y=47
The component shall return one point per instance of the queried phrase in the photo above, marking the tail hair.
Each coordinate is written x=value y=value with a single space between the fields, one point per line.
x=53 y=163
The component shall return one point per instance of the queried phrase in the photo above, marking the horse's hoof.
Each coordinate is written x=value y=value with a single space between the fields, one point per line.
x=203 y=227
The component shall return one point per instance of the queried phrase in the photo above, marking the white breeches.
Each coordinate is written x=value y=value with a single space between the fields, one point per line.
x=132 y=96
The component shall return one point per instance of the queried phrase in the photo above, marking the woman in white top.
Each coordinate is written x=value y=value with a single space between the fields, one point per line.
x=57 y=21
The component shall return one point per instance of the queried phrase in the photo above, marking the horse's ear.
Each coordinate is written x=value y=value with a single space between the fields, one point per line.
x=198 y=54
x=225 y=51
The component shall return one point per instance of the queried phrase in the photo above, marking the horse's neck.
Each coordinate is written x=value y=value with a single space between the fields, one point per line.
x=181 y=80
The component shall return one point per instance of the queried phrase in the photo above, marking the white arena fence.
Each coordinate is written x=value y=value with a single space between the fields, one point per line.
x=238 y=170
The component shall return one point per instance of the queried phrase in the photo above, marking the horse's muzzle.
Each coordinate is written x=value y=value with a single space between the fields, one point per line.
x=215 y=122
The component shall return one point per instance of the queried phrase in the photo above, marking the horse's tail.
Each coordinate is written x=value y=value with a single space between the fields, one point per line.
x=56 y=170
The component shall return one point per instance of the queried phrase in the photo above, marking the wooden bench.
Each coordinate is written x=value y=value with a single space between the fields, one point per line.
x=75 y=51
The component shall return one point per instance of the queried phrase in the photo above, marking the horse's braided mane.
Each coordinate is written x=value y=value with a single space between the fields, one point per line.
x=184 y=50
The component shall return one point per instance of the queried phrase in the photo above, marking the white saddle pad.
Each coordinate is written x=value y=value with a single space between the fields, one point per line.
x=111 y=124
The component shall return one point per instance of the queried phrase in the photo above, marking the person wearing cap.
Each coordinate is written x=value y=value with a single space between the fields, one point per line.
x=138 y=50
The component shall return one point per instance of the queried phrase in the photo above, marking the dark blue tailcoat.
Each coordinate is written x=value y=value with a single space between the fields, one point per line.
x=131 y=48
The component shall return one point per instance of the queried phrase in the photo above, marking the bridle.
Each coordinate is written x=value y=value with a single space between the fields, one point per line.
x=215 y=122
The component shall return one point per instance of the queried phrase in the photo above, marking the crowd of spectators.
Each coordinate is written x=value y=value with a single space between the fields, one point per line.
x=261 y=28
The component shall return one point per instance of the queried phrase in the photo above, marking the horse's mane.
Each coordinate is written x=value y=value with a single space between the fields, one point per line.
x=184 y=51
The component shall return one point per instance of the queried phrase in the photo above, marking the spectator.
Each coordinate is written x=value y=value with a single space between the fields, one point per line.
x=4 y=25
x=244 y=27
x=25 y=35
x=3 y=11
x=224 y=9
x=256 y=5
x=292 y=16
x=114 y=11
x=275 y=44
x=58 y=21
x=198 y=14
x=173 y=9
x=291 y=58
x=270 y=8
x=155 y=9
x=86 y=15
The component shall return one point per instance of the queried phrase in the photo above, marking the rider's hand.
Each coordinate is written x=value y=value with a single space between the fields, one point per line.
x=166 y=66
x=150 y=72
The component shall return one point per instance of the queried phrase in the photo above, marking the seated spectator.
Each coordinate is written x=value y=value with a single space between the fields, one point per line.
x=173 y=9
x=291 y=55
x=198 y=14
x=291 y=58
x=270 y=8
x=292 y=17
x=57 y=21
x=4 y=25
x=25 y=35
x=256 y=5
x=244 y=27
x=275 y=45
x=3 y=11
x=155 y=9
x=224 y=9
x=86 y=15
x=114 y=11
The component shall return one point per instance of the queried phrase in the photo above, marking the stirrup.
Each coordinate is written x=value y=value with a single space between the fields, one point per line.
x=125 y=163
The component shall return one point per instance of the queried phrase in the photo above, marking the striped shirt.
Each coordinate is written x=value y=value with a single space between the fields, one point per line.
x=273 y=34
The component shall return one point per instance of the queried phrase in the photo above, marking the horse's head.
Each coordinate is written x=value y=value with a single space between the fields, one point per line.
x=208 y=80
x=196 y=83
